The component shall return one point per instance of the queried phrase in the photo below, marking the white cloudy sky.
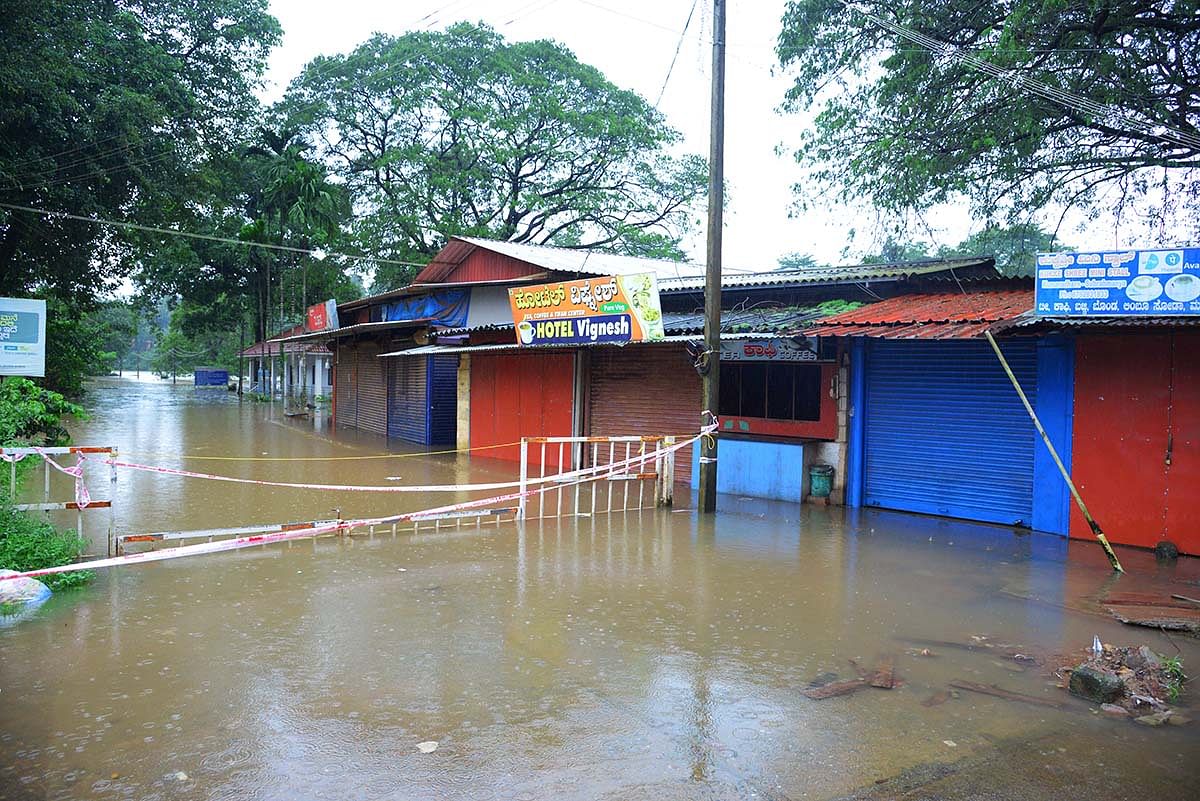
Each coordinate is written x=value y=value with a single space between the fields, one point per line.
x=632 y=42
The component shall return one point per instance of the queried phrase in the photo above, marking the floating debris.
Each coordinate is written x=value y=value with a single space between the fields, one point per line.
x=836 y=688
x=937 y=699
x=1000 y=692
x=427 y=747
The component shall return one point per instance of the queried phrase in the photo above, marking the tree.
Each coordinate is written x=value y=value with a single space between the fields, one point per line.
x=109 y=108
x=798 y=261
x=462 y=133
x=895 y=250
x=1014 y=247
x=908 y=128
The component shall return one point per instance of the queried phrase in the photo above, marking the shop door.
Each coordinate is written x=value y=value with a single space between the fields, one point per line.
x=1137 y=438
x=516 y=395
x=406 y=399
x=944 y=432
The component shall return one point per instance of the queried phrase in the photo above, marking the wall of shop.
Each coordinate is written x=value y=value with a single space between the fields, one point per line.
x=758 y=469
x=644 y=390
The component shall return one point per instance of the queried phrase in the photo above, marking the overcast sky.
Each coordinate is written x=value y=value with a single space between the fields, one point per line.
x=632 y=43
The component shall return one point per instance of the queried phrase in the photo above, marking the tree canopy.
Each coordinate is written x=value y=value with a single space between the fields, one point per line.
x=462 y=133
x=906 y=128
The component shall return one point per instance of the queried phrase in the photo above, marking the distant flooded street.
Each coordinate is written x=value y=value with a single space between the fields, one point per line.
x=654 y=655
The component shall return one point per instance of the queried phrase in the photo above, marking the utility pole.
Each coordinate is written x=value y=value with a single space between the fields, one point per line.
x=711 y=360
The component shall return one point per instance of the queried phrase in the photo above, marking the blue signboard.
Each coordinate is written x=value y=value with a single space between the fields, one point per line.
x=1119 y=283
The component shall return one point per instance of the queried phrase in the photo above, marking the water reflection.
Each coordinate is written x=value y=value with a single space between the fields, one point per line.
x=653 y=654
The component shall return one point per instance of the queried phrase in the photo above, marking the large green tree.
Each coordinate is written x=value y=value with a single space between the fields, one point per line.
x=110 y=108
x=904 y=127
x=462 y=133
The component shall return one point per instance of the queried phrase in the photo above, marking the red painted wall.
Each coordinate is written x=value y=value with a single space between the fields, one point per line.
x=1137 y=402
x=516 y=395
x=484 y=265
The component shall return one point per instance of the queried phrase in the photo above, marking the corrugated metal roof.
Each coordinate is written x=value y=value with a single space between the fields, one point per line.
x=349 y=330
x=768 y=320
x=854 y=273
x=431 y=350
x=566 y=260
x=1031 y=320
x=950 y=315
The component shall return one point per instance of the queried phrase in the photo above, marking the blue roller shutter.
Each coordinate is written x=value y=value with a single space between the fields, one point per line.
x=443 y=399
x=944 y=431
x=407 y=405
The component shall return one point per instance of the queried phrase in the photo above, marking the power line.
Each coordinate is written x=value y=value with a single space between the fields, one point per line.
x=207 y=237
x=678 y=47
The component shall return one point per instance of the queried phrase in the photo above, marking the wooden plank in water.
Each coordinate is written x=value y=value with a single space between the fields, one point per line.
x=1000 y=692
x=884 y=676
x=836 y=688
x=1148 y=599
x=1157 y=617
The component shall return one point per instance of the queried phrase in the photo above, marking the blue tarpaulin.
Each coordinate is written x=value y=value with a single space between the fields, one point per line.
x=448 y=308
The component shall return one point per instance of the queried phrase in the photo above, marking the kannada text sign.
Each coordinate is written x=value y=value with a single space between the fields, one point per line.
x=612 y=309
x=1119 y=283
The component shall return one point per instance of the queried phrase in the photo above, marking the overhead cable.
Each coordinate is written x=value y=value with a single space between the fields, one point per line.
x=319 y=254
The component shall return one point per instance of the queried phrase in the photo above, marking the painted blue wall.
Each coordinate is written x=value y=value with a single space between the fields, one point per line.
x=857 y=409
x=773 y=470
x=1055 y=408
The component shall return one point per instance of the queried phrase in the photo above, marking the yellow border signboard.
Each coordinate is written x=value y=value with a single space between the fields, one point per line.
x=611 y=309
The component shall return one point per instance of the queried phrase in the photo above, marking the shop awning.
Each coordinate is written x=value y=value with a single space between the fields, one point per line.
x=434 y=350
x=350 y=330
x=948 y=315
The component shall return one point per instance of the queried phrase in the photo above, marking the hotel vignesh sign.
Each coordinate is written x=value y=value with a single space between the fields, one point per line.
x=590 y=311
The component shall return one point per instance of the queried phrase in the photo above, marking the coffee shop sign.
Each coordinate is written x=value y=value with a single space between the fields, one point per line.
x=1119 y=283
x=769 y=350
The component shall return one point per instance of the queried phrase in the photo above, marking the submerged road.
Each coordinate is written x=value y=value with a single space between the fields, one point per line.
x=655 y=655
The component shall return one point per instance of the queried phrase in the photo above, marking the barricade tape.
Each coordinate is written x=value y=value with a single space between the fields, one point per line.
x=427 y=488
x=366 y=457
x=596 y=473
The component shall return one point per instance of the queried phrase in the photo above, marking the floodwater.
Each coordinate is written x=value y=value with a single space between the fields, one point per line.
x=654 y=654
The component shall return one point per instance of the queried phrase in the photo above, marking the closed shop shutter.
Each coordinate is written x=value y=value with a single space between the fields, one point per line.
x=372 y=390
x=346 y=412
x=944 y=432
x=516 y=395
x=645 y=390
x=443 y=399
x=406 y=399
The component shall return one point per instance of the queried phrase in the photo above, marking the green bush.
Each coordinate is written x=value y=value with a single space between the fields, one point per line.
x=27 y=543
x=29 y=415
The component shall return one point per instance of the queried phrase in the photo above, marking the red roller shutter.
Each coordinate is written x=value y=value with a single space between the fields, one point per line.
x=645 y=390
x=516 y=395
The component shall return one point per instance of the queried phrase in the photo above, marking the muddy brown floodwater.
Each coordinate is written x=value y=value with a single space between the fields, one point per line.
x=653 y=655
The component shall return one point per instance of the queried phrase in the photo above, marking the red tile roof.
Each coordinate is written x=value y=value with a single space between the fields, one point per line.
x=950 y=315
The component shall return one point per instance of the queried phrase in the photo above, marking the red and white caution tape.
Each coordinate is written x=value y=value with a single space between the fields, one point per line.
x=590 y=474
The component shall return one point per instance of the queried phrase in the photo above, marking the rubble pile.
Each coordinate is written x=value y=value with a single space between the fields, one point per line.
x=1129 y=681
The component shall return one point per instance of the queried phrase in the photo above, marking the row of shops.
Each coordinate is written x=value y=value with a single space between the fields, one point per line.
x=878 y=370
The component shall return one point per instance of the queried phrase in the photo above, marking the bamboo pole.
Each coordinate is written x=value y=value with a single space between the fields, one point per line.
x=1095 y=527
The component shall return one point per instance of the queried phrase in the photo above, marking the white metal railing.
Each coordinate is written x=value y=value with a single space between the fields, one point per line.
x=634 y=460
x=13 y=455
